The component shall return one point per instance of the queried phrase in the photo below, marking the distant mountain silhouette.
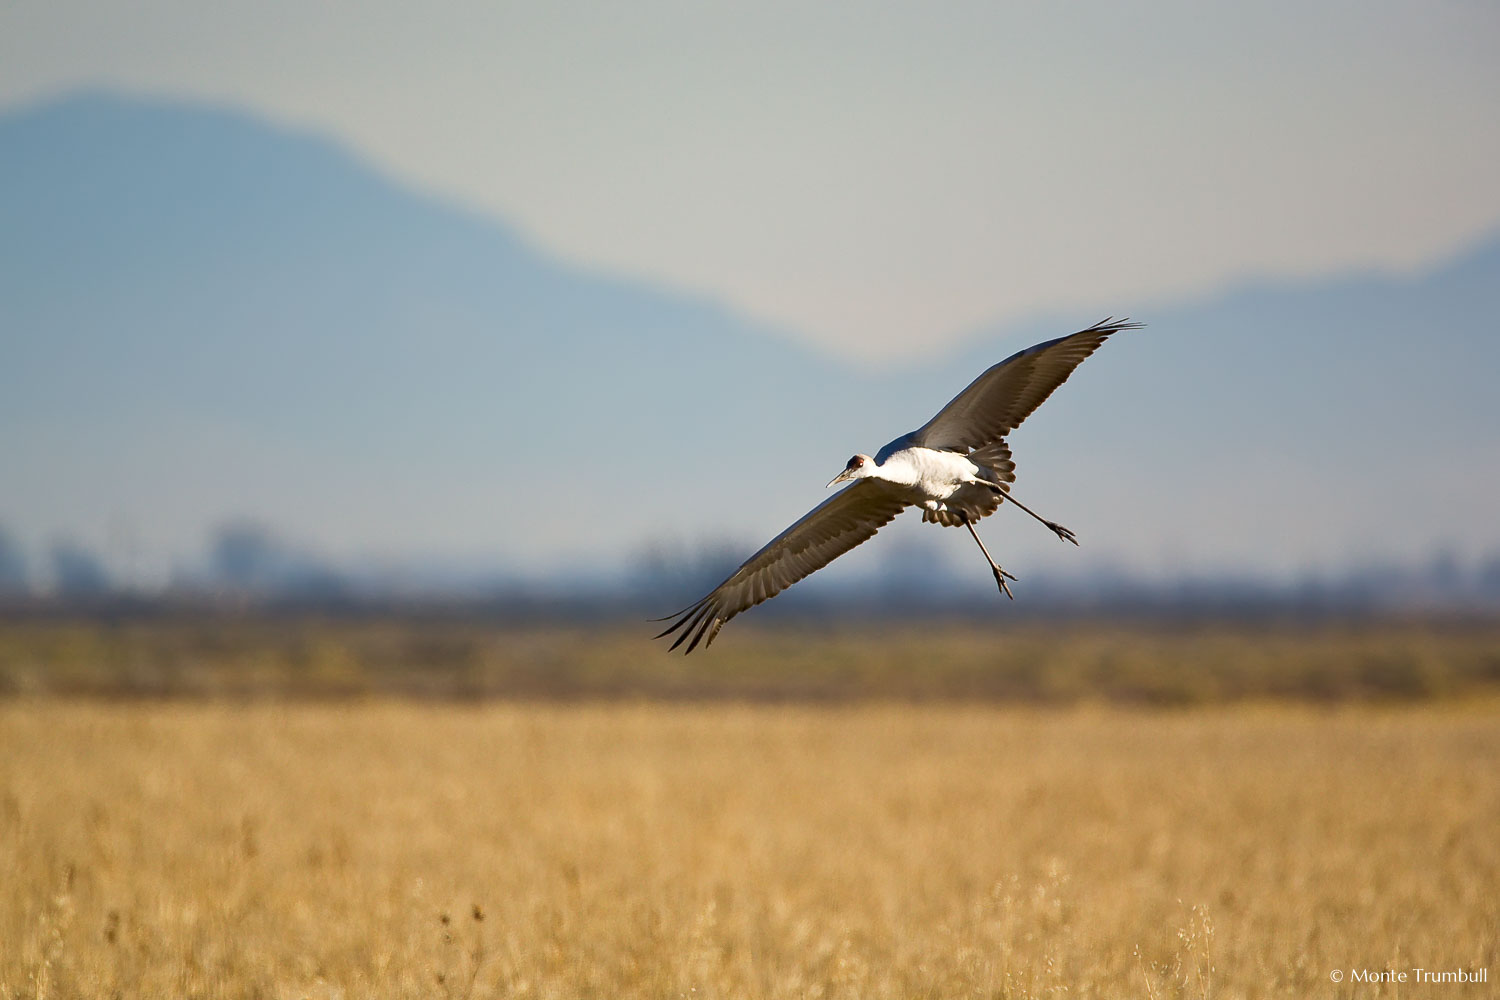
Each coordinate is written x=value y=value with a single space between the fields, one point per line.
x=205 y=317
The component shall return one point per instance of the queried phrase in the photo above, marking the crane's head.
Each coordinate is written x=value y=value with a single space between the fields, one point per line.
x=859 y=467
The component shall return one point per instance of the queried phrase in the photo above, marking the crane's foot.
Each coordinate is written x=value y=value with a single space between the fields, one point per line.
x=1000 y=578
x=1062 y=532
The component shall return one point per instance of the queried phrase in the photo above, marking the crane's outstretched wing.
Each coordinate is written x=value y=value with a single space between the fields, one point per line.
x=826 y=532
x=996 y=402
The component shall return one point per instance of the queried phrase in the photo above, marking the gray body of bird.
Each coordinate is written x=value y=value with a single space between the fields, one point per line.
x=937 y=481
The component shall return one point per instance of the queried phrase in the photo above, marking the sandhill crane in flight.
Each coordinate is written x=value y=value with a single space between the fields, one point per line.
x=956 y=467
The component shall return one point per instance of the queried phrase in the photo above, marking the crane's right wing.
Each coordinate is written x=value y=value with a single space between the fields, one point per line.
x=826 y=532
x=998 y=400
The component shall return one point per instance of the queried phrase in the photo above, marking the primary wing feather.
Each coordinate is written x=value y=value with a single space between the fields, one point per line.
x=826 y=532
x=997 y=401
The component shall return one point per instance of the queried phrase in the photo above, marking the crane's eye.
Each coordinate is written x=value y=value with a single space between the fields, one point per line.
x=856 y=461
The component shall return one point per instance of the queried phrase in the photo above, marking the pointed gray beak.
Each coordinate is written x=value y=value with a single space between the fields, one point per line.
x=842 y=477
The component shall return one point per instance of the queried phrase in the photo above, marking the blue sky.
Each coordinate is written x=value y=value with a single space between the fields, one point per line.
x=878 y=178
x=878 y=181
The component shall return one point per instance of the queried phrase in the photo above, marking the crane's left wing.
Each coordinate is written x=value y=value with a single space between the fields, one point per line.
x=826 y=532
x=997 y=401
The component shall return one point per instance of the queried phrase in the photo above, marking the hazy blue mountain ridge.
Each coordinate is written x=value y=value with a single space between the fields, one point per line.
x=207 y=317
x=163 y=261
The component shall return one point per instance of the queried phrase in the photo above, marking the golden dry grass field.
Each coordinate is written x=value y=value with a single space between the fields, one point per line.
x=621 y=850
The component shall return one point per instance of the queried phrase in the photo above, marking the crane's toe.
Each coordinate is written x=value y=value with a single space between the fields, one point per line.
x=1000 y=578
x=1062 y=532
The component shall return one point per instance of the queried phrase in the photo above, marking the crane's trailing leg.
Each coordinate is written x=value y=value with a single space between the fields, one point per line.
x=1057 y=529
x=1000 y=574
